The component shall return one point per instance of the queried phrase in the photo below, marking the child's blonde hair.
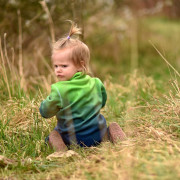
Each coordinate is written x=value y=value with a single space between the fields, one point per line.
x=80 y=51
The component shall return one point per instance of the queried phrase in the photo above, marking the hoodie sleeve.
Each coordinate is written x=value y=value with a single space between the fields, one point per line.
x=104 y=95
x=51 y=105
x=103 y=92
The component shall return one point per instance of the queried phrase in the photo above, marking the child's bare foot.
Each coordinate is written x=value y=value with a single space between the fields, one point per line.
x=56 y=141
x=116 y=133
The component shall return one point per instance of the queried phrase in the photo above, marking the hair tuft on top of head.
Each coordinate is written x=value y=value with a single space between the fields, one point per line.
x=74 y=30
x=63 y=42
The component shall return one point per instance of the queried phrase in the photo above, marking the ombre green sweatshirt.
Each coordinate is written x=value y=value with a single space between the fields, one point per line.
x=76 y=104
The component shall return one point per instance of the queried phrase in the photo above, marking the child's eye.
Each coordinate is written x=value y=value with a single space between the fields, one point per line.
x=55 y=66
x=64 y=65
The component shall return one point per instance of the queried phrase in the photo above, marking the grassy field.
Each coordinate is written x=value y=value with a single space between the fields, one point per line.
x=145 y=102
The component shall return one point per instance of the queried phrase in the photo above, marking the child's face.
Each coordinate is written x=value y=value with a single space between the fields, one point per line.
x=63 y=66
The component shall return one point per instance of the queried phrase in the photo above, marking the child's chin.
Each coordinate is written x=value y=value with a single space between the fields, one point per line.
x=62 y=79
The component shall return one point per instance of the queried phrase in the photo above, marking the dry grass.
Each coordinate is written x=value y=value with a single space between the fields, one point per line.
x=151 y=151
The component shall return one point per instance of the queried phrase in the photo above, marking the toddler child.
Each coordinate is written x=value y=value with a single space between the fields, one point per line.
x=76 y=99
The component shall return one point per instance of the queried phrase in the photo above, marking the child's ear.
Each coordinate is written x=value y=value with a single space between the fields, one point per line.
x=82 y=66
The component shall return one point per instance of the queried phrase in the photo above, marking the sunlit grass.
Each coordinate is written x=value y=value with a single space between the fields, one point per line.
x=150 y=120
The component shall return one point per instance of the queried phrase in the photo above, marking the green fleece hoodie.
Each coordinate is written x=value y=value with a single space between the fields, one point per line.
x=76 y=104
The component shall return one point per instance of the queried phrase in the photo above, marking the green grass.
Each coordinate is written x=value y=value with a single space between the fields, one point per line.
x=145 y=103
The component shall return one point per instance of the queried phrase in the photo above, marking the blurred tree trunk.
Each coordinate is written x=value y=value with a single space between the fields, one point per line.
x=77 y=8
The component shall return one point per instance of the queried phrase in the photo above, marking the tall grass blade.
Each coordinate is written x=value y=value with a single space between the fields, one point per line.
x=22 y=81
x=4 y=73
x=51 y=24
x=165 y=59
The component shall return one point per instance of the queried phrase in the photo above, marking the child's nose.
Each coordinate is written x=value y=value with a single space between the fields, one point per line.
x=59 y=69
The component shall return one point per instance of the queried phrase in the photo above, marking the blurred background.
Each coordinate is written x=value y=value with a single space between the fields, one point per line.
x=119 y=33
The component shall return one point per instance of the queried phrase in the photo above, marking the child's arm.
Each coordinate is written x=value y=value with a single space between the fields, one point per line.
x=51 y=105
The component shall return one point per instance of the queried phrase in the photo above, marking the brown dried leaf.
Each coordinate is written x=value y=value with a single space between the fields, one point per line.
x=60 y=154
